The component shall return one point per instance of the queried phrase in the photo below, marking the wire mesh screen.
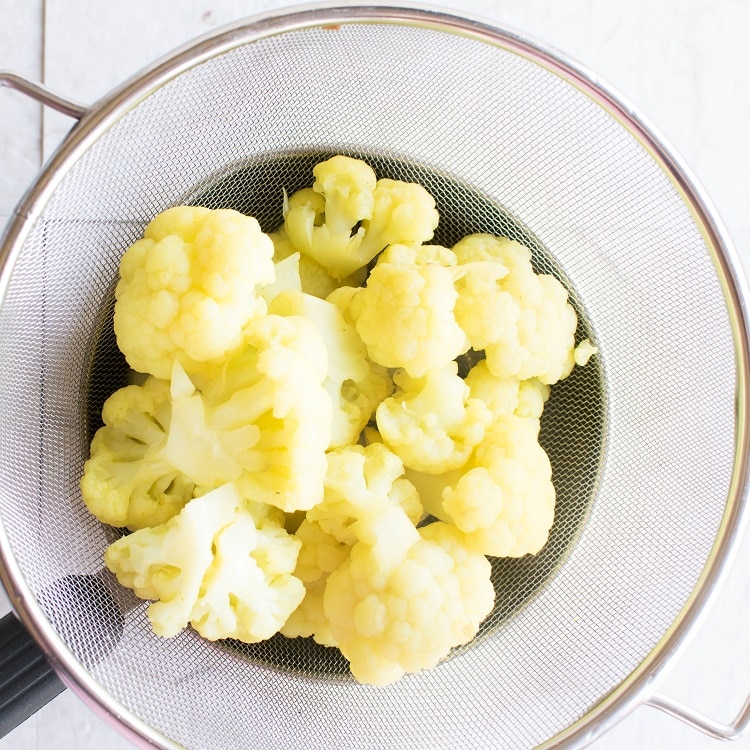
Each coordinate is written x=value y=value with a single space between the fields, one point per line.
x=641 y=440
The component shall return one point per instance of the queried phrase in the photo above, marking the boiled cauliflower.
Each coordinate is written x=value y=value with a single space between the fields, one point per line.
x=405 y=317
x=220 y=565
x=418 y=254
x=313 y=278
x=349 y=216
x=405 y=596
x=249 y=591
x=189 y=287
x=503 y=500
x=302 y=404
x=319 y=556
x=522 y=320
x=128 y=480
x=358 y=481
x=355 y=385
x=286 y=277
x=263 y=420
x=431 y=423
x=268 y=413
x=525 y=398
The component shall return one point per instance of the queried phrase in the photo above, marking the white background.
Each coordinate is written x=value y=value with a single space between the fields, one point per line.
x=685 y=64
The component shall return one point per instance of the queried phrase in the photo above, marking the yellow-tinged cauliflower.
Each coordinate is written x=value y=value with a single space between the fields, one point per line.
x=286 y=277
x=128 y=480
x=313 y=278
x=249 y=590
x=355 y=384
x=405 y=596
x=503 y=500
x=431 y=423
x=222 y=565
x=189 y=287
x=405 y=317
x=349 y=216
x=342 y=297
x=525 y=398
x=321 y=553
x=358 y=479
x=274 y=480
x=521 y=319
x=419 y=254
x=263 y=419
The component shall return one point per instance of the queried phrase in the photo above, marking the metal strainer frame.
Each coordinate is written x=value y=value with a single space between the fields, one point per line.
x=95 y=121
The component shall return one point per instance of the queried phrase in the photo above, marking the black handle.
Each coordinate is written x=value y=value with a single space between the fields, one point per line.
x=27 y=682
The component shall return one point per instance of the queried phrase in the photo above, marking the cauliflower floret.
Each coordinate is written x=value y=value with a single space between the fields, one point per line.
x=358 y=216
x=583 y=352
x=525 y=398
x=419 y=254
x=313 y=278
x=503 y=500
x=358 y=479
x=354 y=384
x=264 y=420
x=320 y=221
x=188 y=288
x=405 y=597
x=128 y=481
x=431 y=423
x=521 y=319
x=216 y=565
x=405 y=317
x=403 y=213
x=249 y=590
x=342 y=297
x=286 y=277
x=319 y=556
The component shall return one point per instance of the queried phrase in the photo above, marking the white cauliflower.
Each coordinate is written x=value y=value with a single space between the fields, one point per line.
x=355 y=385
x=431 y=423
x=522 y=320
x=358 y=479
x=405 y=596
x=286 y=277
x=220 y=565
x=313 y=278
x=525 y=398
x=189 y=287
x=263 y=420
x=358 y=215
x=321 y=553
x=405 y=317
x=418 y=254
x=249 y=590
x=503 y=499
x=128 y=480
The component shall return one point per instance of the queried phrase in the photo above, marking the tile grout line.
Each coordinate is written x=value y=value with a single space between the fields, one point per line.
x=43 y=72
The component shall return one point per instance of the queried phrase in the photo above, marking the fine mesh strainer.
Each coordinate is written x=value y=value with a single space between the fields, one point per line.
x=648 y=442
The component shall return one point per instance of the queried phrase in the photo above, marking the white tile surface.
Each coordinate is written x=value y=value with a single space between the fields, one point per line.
x=683 y=62
x=20 y=118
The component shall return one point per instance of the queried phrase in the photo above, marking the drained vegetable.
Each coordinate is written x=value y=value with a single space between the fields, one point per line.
x=300 y=454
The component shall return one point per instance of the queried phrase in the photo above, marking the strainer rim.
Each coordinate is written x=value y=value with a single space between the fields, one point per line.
x=99 y=118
